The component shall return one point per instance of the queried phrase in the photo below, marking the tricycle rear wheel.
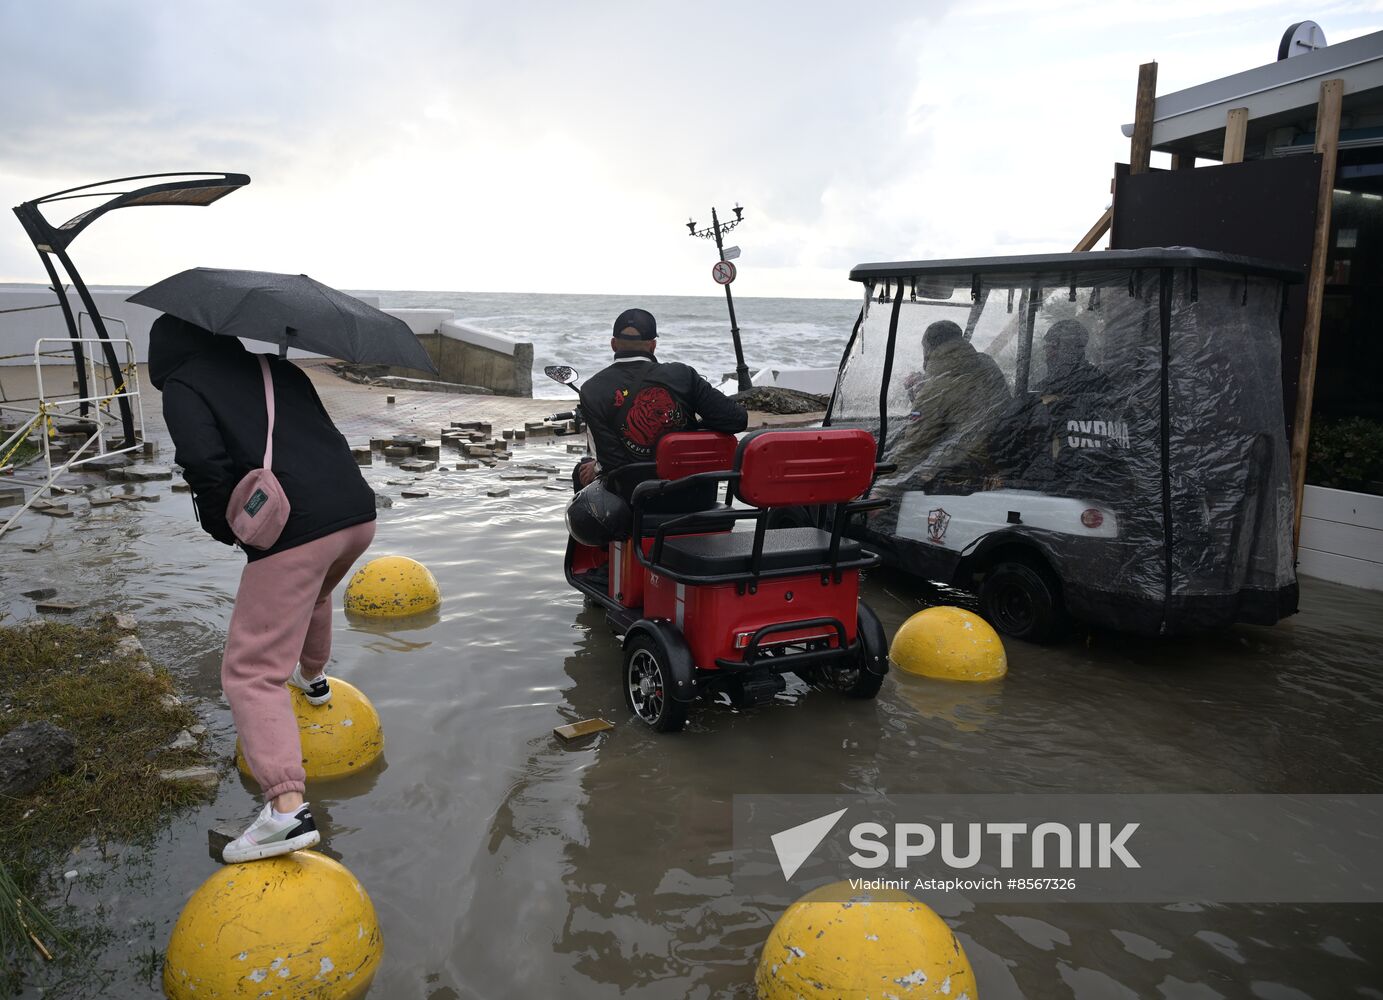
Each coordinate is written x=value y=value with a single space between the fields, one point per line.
x=648 y=685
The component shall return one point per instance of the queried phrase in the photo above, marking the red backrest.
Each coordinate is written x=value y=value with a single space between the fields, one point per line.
x=685 y=453
x=807 y=467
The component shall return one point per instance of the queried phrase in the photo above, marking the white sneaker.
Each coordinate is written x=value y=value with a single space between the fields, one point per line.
x=268 y=837
x=317 y=690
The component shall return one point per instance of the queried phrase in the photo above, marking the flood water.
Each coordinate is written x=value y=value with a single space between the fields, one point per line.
x=503 y=863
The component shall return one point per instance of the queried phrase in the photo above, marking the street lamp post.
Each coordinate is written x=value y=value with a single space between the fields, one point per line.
x=715 y=231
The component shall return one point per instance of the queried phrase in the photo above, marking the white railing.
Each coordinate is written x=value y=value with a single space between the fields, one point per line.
x=105 y=388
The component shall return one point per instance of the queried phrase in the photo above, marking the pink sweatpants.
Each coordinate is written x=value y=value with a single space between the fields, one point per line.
x=282 y=616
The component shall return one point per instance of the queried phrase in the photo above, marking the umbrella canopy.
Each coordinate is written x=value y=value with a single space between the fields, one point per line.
x=290 y=310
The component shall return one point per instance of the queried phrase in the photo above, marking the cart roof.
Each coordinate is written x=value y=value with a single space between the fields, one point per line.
x=1070 y=263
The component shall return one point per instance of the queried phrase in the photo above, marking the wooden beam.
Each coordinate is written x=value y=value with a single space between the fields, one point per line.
x=1183 y=161
x=1328 y=146
x=1236 y=132
x=1100 y=227
x=1140 y=147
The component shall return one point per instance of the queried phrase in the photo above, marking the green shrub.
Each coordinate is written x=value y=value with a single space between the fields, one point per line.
x=1346 y=454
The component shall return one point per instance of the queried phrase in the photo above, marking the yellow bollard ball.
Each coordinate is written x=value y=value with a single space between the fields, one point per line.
x=392 y=587
x=950 y=643
x=835 y=943
x=338 y=738
x=294 y=926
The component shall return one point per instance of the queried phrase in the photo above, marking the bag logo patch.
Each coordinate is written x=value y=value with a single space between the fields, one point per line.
x=257 y=500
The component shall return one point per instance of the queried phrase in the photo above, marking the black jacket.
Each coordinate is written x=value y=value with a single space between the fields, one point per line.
x=213 y=404
x=631 y=404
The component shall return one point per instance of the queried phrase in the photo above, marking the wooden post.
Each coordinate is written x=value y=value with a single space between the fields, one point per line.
x=1327 y=145
x=1140 y=147
x=1100 y=227
x=1236 y=131
x=1183 y=161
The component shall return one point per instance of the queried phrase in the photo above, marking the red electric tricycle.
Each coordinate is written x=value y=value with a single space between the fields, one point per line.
x=706 y=605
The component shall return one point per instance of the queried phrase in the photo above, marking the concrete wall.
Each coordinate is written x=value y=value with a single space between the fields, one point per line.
x=29 y=313
x=1342 y=537
x=462 y=354
x=471 y=356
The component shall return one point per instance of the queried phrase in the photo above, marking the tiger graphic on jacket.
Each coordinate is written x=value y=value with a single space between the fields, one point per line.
x=652 y=413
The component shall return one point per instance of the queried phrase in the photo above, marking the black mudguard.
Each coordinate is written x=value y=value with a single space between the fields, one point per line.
x=676 y=652
x=873 y=639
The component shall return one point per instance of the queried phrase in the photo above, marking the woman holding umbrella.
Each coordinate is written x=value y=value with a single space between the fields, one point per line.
x=218 y=412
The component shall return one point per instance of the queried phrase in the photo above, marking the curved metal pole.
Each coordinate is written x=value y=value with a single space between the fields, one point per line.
x=840 y=369
x=126 y=414
x=78 y=352
x=888 y=372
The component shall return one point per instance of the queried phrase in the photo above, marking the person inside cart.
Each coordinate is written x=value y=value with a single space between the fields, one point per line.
x=1071 y=426
x=1069 y=373
x=637 y=399
x=957 y=400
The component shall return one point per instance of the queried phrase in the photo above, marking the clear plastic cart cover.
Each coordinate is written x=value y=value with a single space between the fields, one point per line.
x=1041 y=406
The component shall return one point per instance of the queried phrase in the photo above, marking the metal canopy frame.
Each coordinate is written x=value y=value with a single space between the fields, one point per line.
x=178 y=188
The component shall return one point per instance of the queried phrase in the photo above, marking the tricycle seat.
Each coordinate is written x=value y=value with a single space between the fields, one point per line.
x=731 y=552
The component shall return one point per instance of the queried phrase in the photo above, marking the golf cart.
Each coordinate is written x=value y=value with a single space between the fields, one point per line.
x=1129 y=468
x=705 y=608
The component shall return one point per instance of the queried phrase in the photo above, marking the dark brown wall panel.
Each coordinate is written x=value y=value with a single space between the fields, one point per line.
x=1260 y=208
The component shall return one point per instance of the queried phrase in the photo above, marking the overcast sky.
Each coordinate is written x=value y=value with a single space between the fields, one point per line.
x=447 y=144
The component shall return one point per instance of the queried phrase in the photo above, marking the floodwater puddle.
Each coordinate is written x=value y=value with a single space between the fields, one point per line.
x=504 y=862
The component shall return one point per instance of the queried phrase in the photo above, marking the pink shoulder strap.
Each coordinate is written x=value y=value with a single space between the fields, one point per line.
x=269 y=405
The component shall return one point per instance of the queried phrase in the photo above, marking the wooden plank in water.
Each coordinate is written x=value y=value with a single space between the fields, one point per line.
x=584 y=728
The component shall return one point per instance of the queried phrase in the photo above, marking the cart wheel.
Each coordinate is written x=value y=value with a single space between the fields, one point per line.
x=648 y=686
x=1024 y=601
x=857 y=680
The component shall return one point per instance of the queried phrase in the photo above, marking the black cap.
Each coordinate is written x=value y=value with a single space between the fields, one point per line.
x=1068 y=331
x=641 y=320
x=940 y=332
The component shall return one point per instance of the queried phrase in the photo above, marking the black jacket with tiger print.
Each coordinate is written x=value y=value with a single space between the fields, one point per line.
x=631 y=404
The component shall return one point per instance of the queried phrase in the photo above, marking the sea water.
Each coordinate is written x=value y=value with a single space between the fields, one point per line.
x=575 y=329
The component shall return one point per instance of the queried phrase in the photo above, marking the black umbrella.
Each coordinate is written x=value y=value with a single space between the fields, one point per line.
x=290 y=310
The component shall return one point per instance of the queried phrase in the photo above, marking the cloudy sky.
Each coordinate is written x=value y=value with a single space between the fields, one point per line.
x=449 y=144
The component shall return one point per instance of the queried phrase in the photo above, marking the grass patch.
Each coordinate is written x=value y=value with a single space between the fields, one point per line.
x=25 y=453
x=74 y=677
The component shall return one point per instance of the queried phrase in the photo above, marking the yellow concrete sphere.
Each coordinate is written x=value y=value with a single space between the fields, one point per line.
x=338 y=738
x=293 y=927
x=950 y=643
x=392 y=587
x=835 y=943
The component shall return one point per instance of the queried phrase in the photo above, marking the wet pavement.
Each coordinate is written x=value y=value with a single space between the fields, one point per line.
x=505 y=863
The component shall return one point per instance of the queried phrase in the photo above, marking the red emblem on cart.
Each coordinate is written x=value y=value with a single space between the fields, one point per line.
x=937 y=522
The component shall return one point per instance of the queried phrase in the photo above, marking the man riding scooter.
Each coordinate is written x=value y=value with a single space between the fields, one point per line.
x=631 y=404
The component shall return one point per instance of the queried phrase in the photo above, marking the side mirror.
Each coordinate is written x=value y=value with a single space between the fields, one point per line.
x=562 y=373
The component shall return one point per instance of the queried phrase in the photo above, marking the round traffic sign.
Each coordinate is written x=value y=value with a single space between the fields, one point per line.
x=723 y=272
